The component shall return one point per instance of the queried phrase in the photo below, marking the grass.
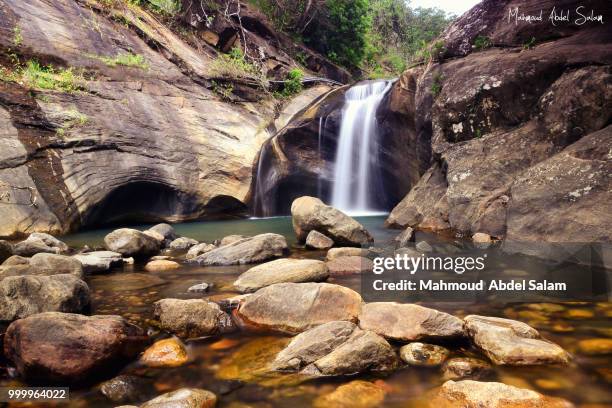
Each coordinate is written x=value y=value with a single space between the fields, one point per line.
x=73 y=118
x=36 y=76
x=17 y=36
x=127 y=60
x=529 y=44
x=436 y=85
x=293 y=83
x=481 y=42
x=235 y=66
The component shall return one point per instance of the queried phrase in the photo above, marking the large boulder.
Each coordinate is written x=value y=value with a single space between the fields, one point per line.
x=192 y=318
x=475 y=394
x=510 y=342
x=281 y=271
x=310 y=213
x=41 y=264
x=409 y=322
x=336 y=348
x=70 y=348
x=166 y=231
x=6 y=250
x=23 y=296
x=99 y=261
x=183 y=398
x=39 y=242
x=296 y=307
x=131 y=243
x=255 y=249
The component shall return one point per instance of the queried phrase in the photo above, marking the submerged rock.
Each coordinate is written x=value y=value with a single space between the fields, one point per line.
x=355 y=394
x=423 y=246
x=126 y=388
x=23 y=296
x=192 y=318
x=296 y=307
x=316 y=240
x=165 y=353
x=408 y=322
x=99 y=261
x=70 y=348
x=161 y=265
x=183 y=398
x=405 y=238
x=482 y=240
x=466 y=367
x=595 y=347
x=336 y=348
x=349 y=265
x=182 y=244
x=6 y=250
x=475 y=394
x=334 y=253
x=310 y=213
x=259 y=248
x=131 y=242
x=425 y=355
x=280 y=271
x=511 y=342
x=199 y=249
x=200 y=288
x=42 y=264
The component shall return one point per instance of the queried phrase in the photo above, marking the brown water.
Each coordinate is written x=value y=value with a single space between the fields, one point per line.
x=234 y=366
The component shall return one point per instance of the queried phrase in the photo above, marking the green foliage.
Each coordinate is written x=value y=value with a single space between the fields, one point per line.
x=481 y=42
x=37 y=76
x=17 y=36
x=293 y=83
x=234 y=66
x=529 y=44
x=436 y=84
x=128 y=60
x=169 y=7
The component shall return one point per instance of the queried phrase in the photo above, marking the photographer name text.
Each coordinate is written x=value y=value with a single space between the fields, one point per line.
x=477 y=286
x=579 y=16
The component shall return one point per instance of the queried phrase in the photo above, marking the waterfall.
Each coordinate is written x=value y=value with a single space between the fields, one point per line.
x=356 y=169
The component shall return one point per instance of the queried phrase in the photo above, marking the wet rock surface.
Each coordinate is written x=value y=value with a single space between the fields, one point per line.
x=70 y=348
x=184 y=398
x=192 y=318
x=296 y=307
x=99 y=261
x=409 y=322
x=512 y=342
x=23 y=296
x=165 y=353
x=310 y=213
x=424 y=355
x=466 y=367
x=355 y=394
x=281 y=271
x=259 y=248
x=161 y=265
x=126 y=388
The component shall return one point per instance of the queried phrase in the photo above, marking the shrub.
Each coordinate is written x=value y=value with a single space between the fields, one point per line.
x=235 y=66
x=293 y=83
x=481 y=42
x=529 y=44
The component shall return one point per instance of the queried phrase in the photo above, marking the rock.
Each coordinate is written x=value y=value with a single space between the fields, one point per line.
x=165 y=353
x=423 y=246
x=296 y=307
x=192 y=318
x=166 y=231
x=259 y=248
x=281 y=271
x=126 y=388
x=475 y=394
x=481 y=240
x=595 y=347
x=200 y=288
x=6 y=250
x=41 y=264
x=33 y=246
x=336 y=348
x=130 y=242
x=316 y=240
x=349 y=265
x=99 y=261
x=199 y=249
x=182 y=244
x=23 y=296
x=70 y=348
x=511 y=342
x=355 y=394
x=230 y=239
x=161 y=266
x=309 y=213
x=466 y=367
x=408 y=322
x=424 y=355
x=405 y=237
x=334 y=253
x=183 y=398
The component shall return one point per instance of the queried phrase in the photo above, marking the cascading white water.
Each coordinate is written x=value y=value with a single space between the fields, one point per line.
x=356 y=162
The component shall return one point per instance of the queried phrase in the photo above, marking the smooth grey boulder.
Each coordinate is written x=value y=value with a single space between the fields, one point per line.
x=281 y=271
x=192 y=318
x=182 y=244
x=510 y=342
x=316 y=240
x=310 y=213
x=99 y=261
x=296 y=307
x=336 y=348
x=131 y=243
x=255 y=249
x=39 y=242
x=41 y=264
x=23 y=296
x=199 y=249
x=409 y=322
x=166 y=231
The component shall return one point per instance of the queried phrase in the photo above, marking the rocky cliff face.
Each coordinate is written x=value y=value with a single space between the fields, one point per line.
x=517 y=117
x=149 y=142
